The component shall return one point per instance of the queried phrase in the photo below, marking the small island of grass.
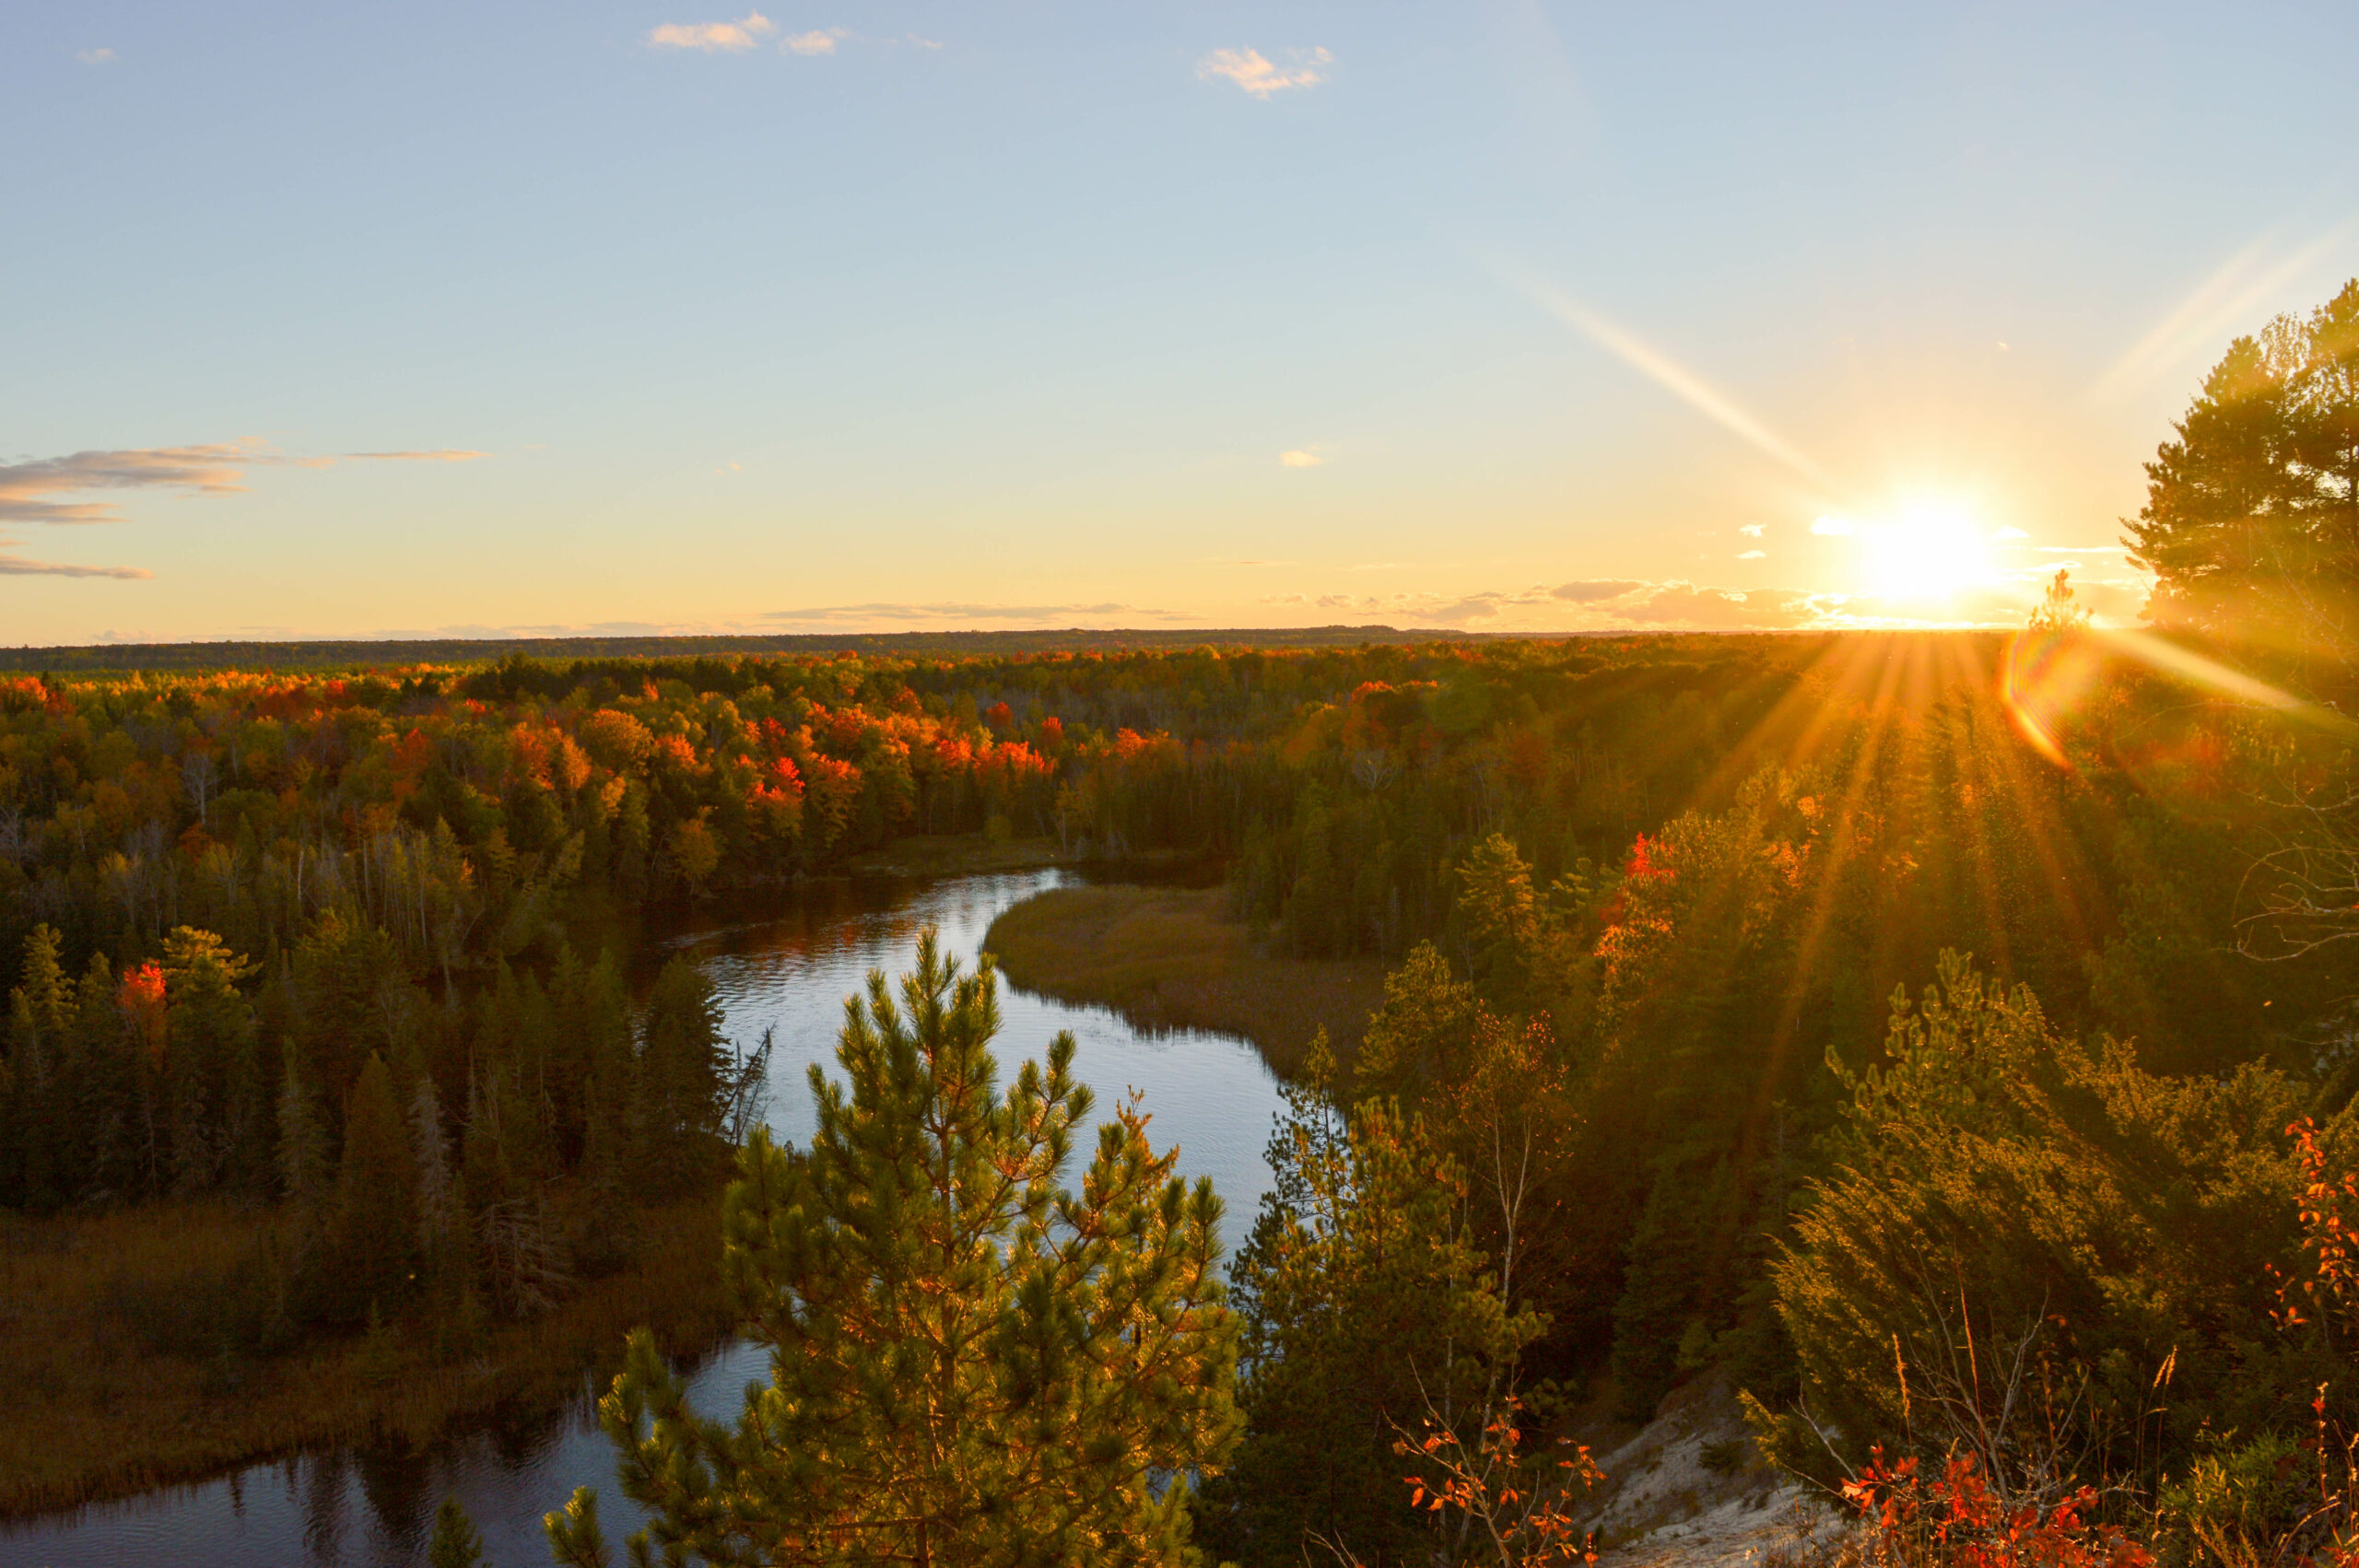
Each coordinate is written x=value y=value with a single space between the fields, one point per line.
x=1169 y=958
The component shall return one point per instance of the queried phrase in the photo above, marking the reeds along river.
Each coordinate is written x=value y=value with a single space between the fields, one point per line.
x=791 y=971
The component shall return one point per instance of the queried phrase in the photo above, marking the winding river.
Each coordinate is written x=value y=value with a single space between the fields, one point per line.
x=789 y=971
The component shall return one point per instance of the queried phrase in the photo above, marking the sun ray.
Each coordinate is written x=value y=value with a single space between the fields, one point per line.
x=1669 y=374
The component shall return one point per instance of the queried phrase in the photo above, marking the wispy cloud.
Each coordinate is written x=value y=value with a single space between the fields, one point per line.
x=19 y=566
x=1254 y=72
x=1751 y=530
x=956 y=614
x=29 y=491
x=95 y=57
x=1753 y=554
x=819 y=41
x=714 y=38
x=1300 y=459
x=1590 y=593
x=41 y=489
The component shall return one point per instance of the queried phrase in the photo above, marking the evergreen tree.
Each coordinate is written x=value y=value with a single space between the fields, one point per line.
x=685 y=1071
x=303 y=1154
x=376 y=1219
x=971 y=1365
x=2251 y=522
x=1366 y=1305
x=440 y=1237
x=216 y=1091
x=33 y=1161
x=454 y=1543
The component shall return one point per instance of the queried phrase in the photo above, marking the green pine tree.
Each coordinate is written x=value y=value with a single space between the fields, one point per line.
x=376 y=1221
x=454 y=1543
x=972 y=1364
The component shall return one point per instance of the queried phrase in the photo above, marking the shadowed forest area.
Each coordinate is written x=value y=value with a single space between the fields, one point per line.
x=1944 y=1039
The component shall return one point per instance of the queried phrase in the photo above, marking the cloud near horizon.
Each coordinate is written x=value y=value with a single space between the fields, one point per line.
x=715 y=38
x=947 y=615
x=21 y=565
x=1621 y=603
x=28 y=490
x=1253 y=73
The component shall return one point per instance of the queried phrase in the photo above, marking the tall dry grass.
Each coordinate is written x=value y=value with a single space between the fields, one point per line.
x=112 y=1389
x=1166 y=957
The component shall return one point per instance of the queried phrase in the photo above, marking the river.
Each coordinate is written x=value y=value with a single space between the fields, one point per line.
x=788 y=971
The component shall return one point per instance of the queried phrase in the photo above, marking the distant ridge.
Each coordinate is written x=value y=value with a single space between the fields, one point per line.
x=339 y=655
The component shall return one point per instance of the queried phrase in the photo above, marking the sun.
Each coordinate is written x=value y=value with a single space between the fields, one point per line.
x=1927 y=554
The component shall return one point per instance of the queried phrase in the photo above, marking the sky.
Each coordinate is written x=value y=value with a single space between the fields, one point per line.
x=513 y=319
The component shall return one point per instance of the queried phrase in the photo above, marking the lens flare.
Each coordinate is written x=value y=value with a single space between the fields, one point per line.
x=2046 y=676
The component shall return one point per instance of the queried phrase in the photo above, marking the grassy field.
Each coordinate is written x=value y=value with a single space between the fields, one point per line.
x=1165 y=958
x=103 y=1403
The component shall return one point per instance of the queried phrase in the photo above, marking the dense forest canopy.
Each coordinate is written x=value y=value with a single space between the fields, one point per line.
x=1818 y=1013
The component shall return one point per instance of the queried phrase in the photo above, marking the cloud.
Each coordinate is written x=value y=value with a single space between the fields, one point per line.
x=26 y=488
x=1604 y=604
x=2006 y=533
x=714 y=37
x=1626 y=604
x=1593 y=592
x=1836 y=527
x=1254 y=73
x=96 y=57
x=29 y=490
x=819 y=41
x=1751 y=530
x=1753 y=555
x=889 y=616
x=20 y=566
x=1300 y=459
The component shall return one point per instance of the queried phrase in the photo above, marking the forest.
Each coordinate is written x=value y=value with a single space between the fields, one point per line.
x=1944 y=1039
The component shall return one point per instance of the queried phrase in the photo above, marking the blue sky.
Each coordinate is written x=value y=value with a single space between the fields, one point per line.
x=1505 y=316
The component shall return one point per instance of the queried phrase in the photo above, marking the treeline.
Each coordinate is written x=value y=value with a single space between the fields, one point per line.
x=470 y=1155
x=471 y=813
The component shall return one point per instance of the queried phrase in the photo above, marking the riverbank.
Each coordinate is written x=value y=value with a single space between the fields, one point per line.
x=103 y=1404
x=955 y=854
x=1167 y=957
x=938 y=855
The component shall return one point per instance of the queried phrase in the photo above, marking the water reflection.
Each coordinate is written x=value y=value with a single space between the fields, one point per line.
x=789 y=971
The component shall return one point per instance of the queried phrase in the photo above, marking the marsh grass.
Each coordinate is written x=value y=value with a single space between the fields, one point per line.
x=143 y=1347
x=1165 y=957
